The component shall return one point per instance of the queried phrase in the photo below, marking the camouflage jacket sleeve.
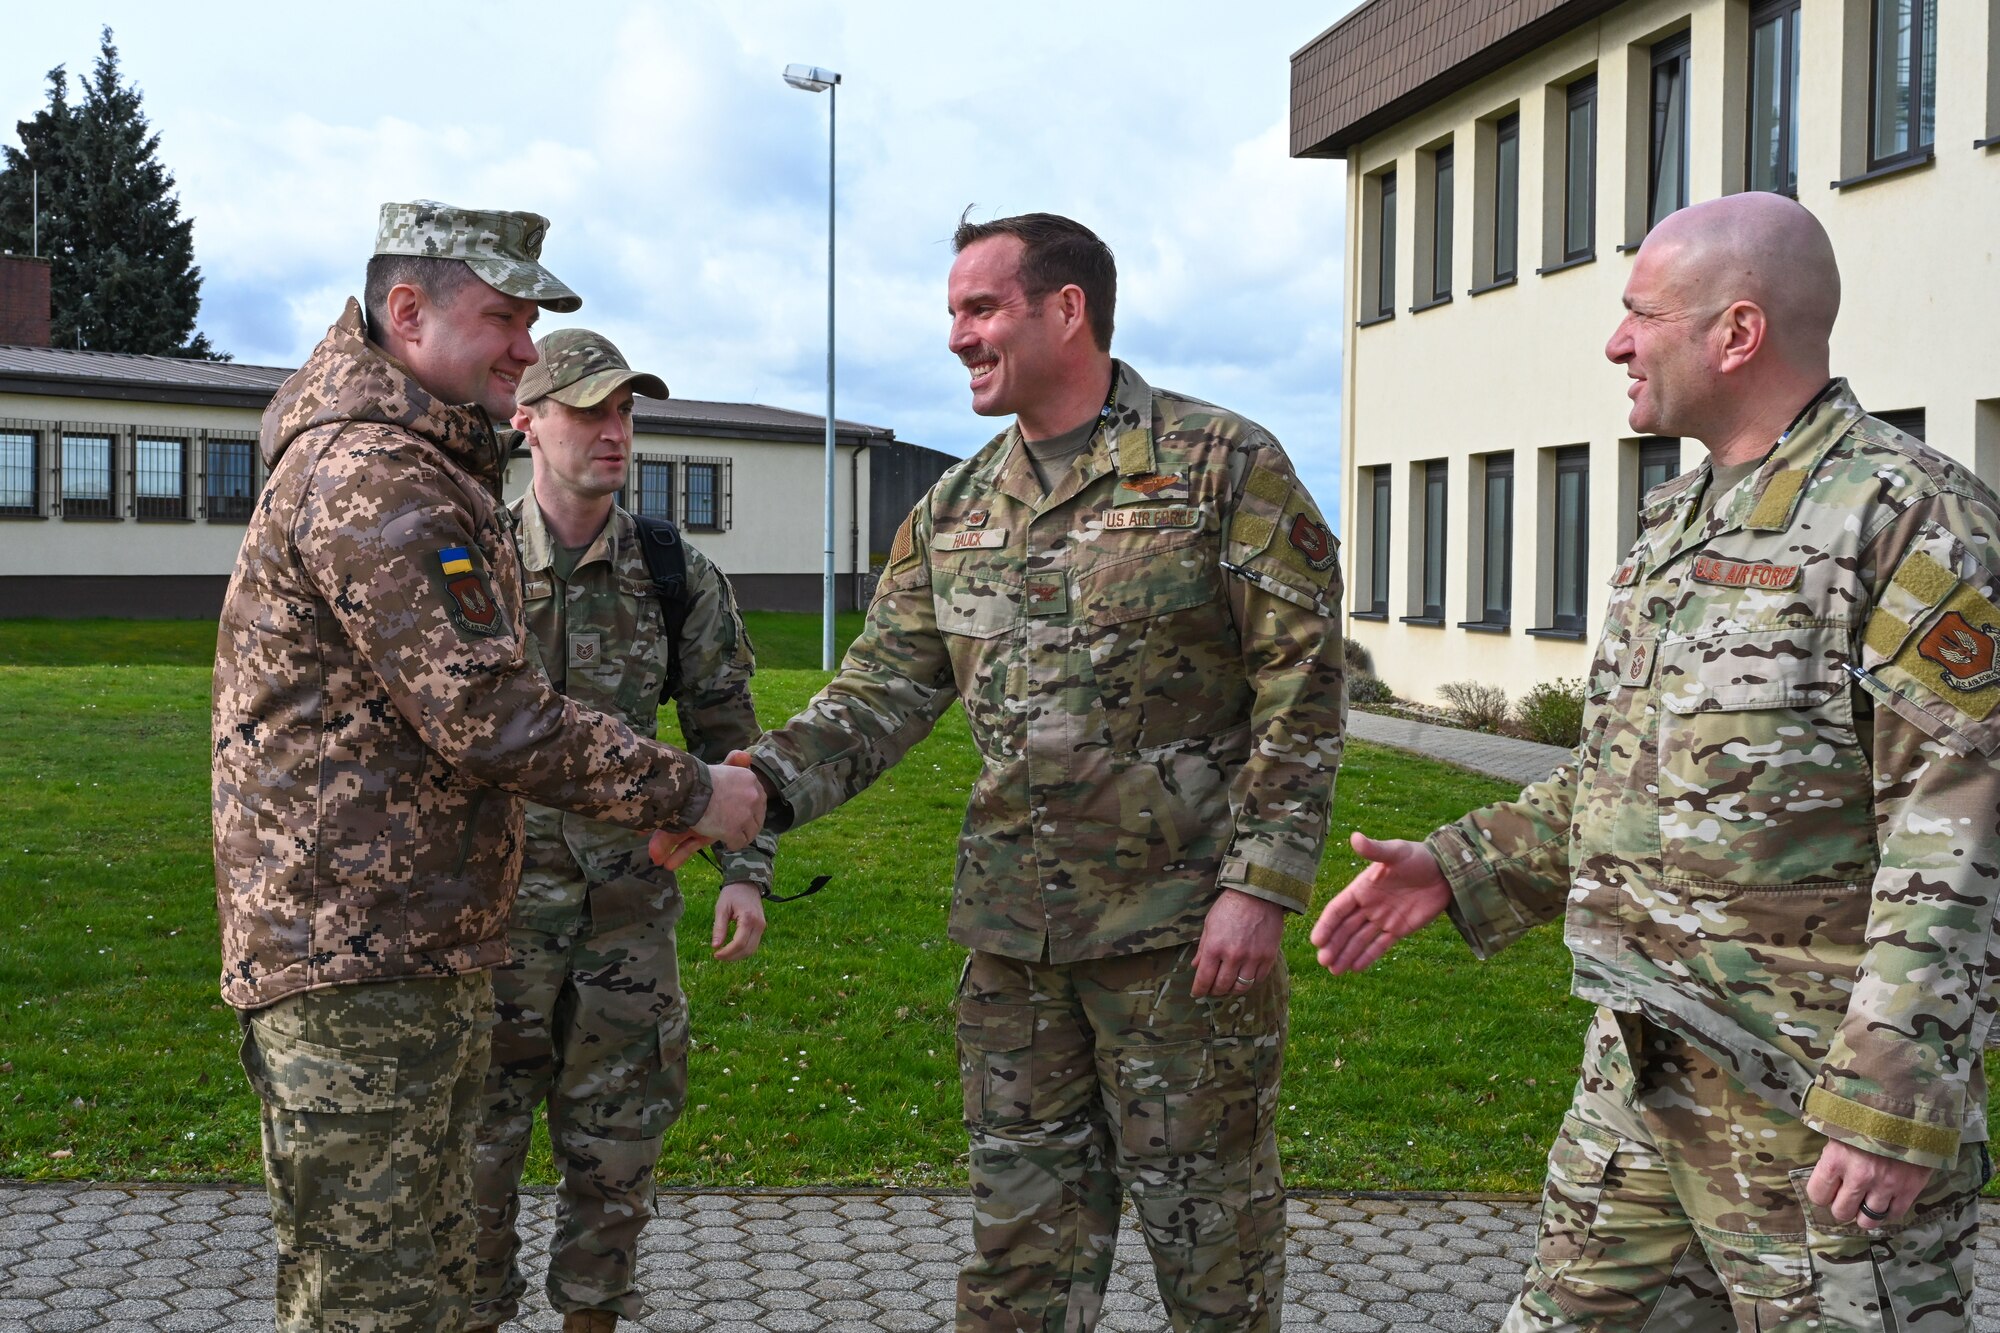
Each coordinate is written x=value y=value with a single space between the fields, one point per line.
x=1896 y=1079
x=891 y=691
x=1285 y=598
x=716 y=712
x=1508 y=864
x=369 y=535
x=892 y=687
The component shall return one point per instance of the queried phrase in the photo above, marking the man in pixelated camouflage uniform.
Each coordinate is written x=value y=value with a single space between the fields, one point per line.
x=589 y=1014
x=1137 y=603
x=376 y=721
x=1775 y=848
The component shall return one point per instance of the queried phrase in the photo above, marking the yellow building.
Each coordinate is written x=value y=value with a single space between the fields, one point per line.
x=1504 y=159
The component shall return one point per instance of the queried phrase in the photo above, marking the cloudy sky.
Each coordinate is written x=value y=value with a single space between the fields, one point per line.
x=687 y=183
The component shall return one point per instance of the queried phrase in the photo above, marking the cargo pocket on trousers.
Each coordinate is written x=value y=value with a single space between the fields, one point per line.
x=333 y=1134
x=993 y=1062
x=1164 y=1105
x=1916 y=1270
x=1571 y=1197
x=666 y=1090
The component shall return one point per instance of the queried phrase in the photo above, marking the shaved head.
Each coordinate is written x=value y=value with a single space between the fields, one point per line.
x=1761 y=248
x=1729 y=314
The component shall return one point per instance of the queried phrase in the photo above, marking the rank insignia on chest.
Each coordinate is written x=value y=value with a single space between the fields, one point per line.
x=1174 y=516
x=1047 y=595
x=1151 y=486
x=536 y=586
x=978 y=539
x=468 y=600
x=1726 y=573
x=1310 y=539
x=585 y=649
x=1964 y=653
x=1639 y=658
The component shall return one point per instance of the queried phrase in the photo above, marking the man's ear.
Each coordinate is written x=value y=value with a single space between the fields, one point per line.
x=524 y=421
x=1740 y=334
x=406 y=306
x=1074 y=307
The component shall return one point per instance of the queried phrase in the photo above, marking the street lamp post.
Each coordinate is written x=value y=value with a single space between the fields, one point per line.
x=814 y=80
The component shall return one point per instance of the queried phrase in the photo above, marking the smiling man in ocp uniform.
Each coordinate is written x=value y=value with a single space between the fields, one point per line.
x=1776 y=853
x=1137 y=602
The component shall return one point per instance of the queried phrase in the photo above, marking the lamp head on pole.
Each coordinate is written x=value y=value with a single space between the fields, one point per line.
x=810 y=77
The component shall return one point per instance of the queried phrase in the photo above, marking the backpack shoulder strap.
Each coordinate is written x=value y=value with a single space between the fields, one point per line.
x=666 y=561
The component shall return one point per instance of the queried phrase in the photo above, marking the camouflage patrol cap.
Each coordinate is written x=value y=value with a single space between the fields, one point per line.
x=579 y=368
x=502 y=248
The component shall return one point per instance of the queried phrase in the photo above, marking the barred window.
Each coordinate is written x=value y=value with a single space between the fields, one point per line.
x=161 y=465
x=231 y=480
x=703 y=484
x=87 y=490
x=20 y=474
x=656 y=488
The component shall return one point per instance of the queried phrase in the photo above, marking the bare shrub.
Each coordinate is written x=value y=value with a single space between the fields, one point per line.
x=1474 y=706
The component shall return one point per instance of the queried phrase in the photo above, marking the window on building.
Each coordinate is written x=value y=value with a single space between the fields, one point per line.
x=1436 y=472
x=1659 y=462
x=1506 y=196
x=87 y=482
x=1378 y=544
x=1496 y=575
x=1580 y=170
x=1773 y=160
x=1902 y=104
x=1441 y=223
x=1571 y=540
x=1909 y=420
x=231 y=483
x=1385 y=248
x=20 y=474
x=160 y=483
x=656 y=489
x=1667 y=158
x=704 y=495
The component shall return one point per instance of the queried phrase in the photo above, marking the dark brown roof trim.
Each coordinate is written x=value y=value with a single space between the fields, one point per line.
x=1390 y=59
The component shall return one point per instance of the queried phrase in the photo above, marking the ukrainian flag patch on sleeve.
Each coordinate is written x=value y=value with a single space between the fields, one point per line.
x=468 y=597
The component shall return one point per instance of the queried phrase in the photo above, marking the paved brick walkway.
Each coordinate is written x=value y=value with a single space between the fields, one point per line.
x=158 y=1258
x=1498 y=756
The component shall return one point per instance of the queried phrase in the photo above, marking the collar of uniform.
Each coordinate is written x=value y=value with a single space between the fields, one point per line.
x=538 y=544
x=1129 y=433
x=1766 y=500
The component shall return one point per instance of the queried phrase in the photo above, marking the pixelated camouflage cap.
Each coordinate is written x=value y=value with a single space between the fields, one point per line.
x=502 y=248
x=580 y=368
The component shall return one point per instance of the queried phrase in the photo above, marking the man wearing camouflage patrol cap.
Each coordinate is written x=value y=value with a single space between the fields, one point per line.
x=589 y=1013
x=1137 y=603
x=377 y=721
x=1775 y=850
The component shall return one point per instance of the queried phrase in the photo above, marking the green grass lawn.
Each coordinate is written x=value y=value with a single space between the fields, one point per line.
x=827 y=1058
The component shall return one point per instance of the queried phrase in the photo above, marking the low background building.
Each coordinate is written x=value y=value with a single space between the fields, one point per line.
x=1504 y=160
x=125 y=483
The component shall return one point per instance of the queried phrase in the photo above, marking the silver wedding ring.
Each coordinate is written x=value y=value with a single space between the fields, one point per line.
x=1246 y=981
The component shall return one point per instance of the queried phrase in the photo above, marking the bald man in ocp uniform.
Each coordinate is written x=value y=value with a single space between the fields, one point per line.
x=1776 y=852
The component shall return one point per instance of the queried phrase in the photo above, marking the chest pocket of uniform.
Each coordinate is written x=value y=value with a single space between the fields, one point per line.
x=643 y=670
x=1161 y=647
x=1762 y=779
x=979 y=614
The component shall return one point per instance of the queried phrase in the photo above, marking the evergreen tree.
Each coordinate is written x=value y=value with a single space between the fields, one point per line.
x=123 y=272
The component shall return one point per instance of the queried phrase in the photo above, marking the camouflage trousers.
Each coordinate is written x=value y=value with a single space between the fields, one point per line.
x=1676 y=1201
x=369 y=1096
x=593 y=1023
x=1082 y=1078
